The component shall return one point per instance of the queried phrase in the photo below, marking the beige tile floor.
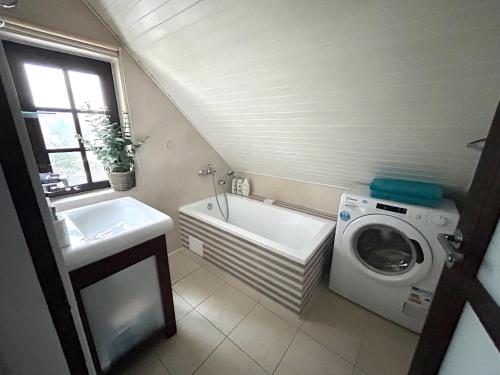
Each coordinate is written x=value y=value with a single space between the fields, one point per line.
x=226 y=327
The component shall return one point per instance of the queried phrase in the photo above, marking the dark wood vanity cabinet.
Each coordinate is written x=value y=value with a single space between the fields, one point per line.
x=125 y=302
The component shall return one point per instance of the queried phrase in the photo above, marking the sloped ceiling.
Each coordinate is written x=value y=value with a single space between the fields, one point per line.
x=331 y=92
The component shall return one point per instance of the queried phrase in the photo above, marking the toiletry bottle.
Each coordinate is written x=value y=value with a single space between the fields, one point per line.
x=61 y=230
x=245 y=187
x=234 y=184
x=59 y=224
x=239 y=185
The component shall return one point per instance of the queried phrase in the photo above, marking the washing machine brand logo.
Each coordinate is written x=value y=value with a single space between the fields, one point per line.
x=351 y=199
x=345 y=216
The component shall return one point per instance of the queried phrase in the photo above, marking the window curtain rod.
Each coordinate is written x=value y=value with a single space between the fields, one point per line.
x=16 y=30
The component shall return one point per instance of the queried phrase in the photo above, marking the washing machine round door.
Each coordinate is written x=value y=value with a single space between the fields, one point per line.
x=387 y=249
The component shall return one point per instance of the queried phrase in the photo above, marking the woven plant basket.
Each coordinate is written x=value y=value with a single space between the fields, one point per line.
x=121 y=181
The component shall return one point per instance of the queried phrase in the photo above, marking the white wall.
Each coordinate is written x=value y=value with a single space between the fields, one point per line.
x=28 y=340
x=330 y=92
x=318 y=197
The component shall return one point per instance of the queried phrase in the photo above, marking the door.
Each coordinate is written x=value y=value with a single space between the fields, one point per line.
x=22 y=182
x=465 y=311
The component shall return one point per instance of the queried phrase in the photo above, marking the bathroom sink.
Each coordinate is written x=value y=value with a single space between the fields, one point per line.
x=103 y=229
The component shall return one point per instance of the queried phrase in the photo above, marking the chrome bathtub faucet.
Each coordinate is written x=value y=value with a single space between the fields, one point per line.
x=222 y=180
x=209 y=170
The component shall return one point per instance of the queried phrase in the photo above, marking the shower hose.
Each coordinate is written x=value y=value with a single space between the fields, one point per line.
x=226 y=216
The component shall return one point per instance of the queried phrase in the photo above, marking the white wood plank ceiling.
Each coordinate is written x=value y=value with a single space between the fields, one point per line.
x=326 y=91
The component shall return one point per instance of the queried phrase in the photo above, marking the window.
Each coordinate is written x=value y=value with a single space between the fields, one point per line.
x=59 y=93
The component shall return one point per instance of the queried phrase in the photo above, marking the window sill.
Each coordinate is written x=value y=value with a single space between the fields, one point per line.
x=84 y=199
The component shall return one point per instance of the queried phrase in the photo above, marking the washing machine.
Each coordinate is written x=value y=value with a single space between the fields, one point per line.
x=386 y=255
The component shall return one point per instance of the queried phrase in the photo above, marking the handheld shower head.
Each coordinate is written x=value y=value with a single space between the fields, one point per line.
x=8 y=3
x=222 y=181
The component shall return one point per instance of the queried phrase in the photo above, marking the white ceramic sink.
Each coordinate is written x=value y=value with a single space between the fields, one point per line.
x=103 y=229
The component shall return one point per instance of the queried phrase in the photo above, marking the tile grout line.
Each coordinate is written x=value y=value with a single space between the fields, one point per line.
x=299 y=329
x=279 y=316
x=248 y=355
x=284 y=320
x=249 y=296
x=286 y=350
x=207 y=297
x=209 y=354
x=237 y=324
x=159 y=360
x=194 y=308
x=181 y=297
x=246 y=294
x=258 y=303
x=229 y=282
x=326 y=347
x=187 y=253
x=213 y=273
x=175 y=251
x=333 y=351
x=362 y=341
x=224 y=282
x=184 y=276
x=224 y=339
x=236 y=344
x=155 y=353
x=257 y=300
x=239 y=321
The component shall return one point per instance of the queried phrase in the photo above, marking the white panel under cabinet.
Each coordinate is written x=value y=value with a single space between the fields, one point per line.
x=123 y=309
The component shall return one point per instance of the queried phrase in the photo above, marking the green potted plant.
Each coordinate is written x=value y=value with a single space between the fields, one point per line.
x=114 y=148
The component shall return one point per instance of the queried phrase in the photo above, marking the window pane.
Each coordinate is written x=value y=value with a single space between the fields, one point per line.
x=96 y=169
x=58 y=129
x=47 y=86
x=85 y=120
x=69 y=164
x=86 y=89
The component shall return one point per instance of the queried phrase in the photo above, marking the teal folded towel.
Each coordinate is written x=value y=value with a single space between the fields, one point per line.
x=419 y=201
x=425 y=190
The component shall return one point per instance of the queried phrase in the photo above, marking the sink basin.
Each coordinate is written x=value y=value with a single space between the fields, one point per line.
x=103 y=229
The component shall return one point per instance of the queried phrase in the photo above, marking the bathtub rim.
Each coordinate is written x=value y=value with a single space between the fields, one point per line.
x=273 y=246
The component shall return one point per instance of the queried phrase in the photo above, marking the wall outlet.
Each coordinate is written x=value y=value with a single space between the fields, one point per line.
x=196 y=246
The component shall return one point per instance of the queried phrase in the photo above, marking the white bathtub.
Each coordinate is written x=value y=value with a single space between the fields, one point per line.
x=279 y=251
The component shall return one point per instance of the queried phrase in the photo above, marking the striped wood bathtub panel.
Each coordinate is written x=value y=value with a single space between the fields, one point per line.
x=283 y=280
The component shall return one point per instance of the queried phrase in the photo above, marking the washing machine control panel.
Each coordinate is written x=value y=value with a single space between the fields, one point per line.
x=354 y=206
x=439 y=220
x=386 y=207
